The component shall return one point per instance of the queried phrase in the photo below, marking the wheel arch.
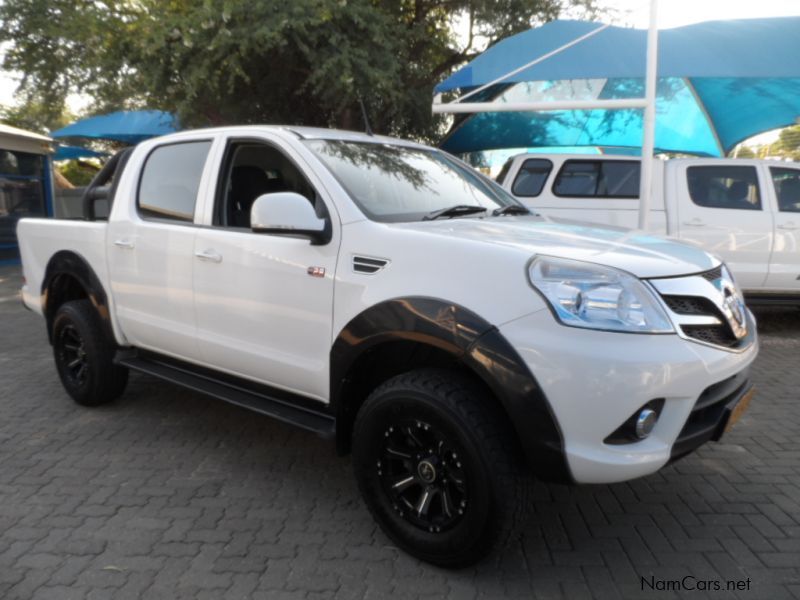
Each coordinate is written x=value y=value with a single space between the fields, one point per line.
x=401 y=334
x=68 y=277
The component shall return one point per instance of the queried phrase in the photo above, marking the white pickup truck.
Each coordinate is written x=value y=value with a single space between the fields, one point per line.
x=384 y=294
x=745 y=211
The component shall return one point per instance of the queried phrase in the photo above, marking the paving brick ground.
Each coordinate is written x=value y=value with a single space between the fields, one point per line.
x=168 y=494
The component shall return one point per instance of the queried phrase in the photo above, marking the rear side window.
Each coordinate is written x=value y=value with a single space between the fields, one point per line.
x=501 y=176
x=170 y=180
x=598 y=179
x=787 y=188
x=531 y=177
x=724 y=187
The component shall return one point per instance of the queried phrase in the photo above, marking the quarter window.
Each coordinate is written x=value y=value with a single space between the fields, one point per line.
x=531 y=177
x=598 y=179
x=724 y=187
x=170 y=180
x=787 y=188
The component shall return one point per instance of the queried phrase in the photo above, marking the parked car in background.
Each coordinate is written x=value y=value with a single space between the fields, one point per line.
x=382 y=293
x=745 y=211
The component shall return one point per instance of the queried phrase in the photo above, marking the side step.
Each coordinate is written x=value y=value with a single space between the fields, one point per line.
x=279 y=404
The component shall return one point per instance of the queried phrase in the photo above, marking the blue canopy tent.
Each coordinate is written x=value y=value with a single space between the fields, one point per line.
x=129 y=127
x=719 y=83
x=75 y=152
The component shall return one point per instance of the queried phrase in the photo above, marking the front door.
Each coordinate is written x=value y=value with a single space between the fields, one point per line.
x=784 y=271
x=264 y=302
x=151 y=247
x=722 y=209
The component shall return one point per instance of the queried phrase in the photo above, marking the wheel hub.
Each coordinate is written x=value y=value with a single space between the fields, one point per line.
x=426 y=471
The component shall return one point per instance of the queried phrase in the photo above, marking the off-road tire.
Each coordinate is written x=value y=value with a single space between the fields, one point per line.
x=490 y=466
x=83 y=355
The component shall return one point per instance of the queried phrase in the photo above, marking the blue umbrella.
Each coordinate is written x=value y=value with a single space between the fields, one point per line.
x=720 y=82
x=130 y=127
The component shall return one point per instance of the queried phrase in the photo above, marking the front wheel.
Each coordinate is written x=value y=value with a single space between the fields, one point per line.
x=83 y=355
x=437 y=467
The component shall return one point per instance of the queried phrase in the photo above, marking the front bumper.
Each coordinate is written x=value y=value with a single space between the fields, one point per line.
x=594 y=381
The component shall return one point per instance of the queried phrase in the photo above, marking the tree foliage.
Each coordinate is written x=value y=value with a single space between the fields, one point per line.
x=268 y=61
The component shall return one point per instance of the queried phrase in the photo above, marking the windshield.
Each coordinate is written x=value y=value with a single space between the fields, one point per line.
x=392 y=183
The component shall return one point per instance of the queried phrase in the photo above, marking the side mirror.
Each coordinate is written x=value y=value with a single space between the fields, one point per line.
x=288 y=213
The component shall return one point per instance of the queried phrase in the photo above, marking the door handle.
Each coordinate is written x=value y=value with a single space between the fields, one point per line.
x=695 y=223
x=790 y=225
x=209 y=256
x=123 y=243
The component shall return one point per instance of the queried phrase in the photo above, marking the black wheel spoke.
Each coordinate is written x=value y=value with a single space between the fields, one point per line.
x=404 y=483
x=423 y=476
x=395 y=453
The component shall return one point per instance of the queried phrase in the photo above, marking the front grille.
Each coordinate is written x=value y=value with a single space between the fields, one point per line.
x=690 y=305
x=698 y=306
x=709 y=414
x=713 y=274
x=719 y=335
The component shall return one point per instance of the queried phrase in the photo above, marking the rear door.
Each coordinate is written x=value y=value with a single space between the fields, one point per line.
x=151 y=248
x=784 y=272
x=722 y=208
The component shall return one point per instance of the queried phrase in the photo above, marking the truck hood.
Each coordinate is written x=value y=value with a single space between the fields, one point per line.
x=641 y=254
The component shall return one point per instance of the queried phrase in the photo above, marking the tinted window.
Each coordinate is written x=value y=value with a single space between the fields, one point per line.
x=598 y=179
x=21 y=193
x=170 y=180
x=531 y=177
x=724 y=187
x=787 y=188
x=253 y=170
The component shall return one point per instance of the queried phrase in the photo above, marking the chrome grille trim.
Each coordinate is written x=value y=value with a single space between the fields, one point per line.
x=725 y=322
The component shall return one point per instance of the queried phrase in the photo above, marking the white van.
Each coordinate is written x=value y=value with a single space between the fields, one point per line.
x=746 y=211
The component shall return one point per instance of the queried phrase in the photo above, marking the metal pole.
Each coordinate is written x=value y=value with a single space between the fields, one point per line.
x=649 y=125
x=476 y=107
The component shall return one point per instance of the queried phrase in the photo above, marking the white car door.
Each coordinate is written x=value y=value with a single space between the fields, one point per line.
x=722 y=209
x=264 y=302
x=151 y=249
x=784 y=271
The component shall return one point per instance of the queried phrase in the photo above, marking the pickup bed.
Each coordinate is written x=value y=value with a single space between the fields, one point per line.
x=746 y=211
x=385 y=295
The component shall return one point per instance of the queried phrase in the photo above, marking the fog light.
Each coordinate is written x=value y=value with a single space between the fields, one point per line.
x=645 y=422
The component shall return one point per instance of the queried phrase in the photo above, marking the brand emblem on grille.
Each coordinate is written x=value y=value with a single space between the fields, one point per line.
x=732 y=305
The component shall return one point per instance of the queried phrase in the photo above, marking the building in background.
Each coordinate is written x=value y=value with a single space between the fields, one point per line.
x=26 y=183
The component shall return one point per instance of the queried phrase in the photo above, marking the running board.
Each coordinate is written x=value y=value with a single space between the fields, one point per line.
x=278 y=404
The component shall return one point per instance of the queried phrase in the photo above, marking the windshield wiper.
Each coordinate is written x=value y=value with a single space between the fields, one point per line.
x=454 y=211
x=510 y=209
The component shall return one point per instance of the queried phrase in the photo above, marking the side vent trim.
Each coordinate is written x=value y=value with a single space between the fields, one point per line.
x=367 y=265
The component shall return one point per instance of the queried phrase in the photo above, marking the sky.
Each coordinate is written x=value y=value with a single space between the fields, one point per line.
x=635 y=13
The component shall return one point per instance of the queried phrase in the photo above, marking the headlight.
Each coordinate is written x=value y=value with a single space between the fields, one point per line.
x=596 y=297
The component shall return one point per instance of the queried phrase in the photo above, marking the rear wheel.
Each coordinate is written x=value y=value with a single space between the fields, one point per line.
x=436 y=467
x=83 y=355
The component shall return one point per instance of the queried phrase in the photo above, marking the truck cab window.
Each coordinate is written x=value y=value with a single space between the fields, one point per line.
x=170 y=180
x=531 y=177
x=598 y=179
x=251 y=170
x=787 y=188
x=724 y=187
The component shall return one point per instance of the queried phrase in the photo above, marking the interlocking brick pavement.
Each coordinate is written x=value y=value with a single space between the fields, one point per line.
x=167 y=494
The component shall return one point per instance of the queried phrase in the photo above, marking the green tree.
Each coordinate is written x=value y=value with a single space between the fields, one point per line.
x=271 y=61
x=788 y=143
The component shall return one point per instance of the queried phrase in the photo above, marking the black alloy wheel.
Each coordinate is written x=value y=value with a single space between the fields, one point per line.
x=421 y=472
x=438 y=466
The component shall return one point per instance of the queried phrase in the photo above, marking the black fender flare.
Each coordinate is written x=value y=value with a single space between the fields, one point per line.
x=475 y=343
x=67 y=263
